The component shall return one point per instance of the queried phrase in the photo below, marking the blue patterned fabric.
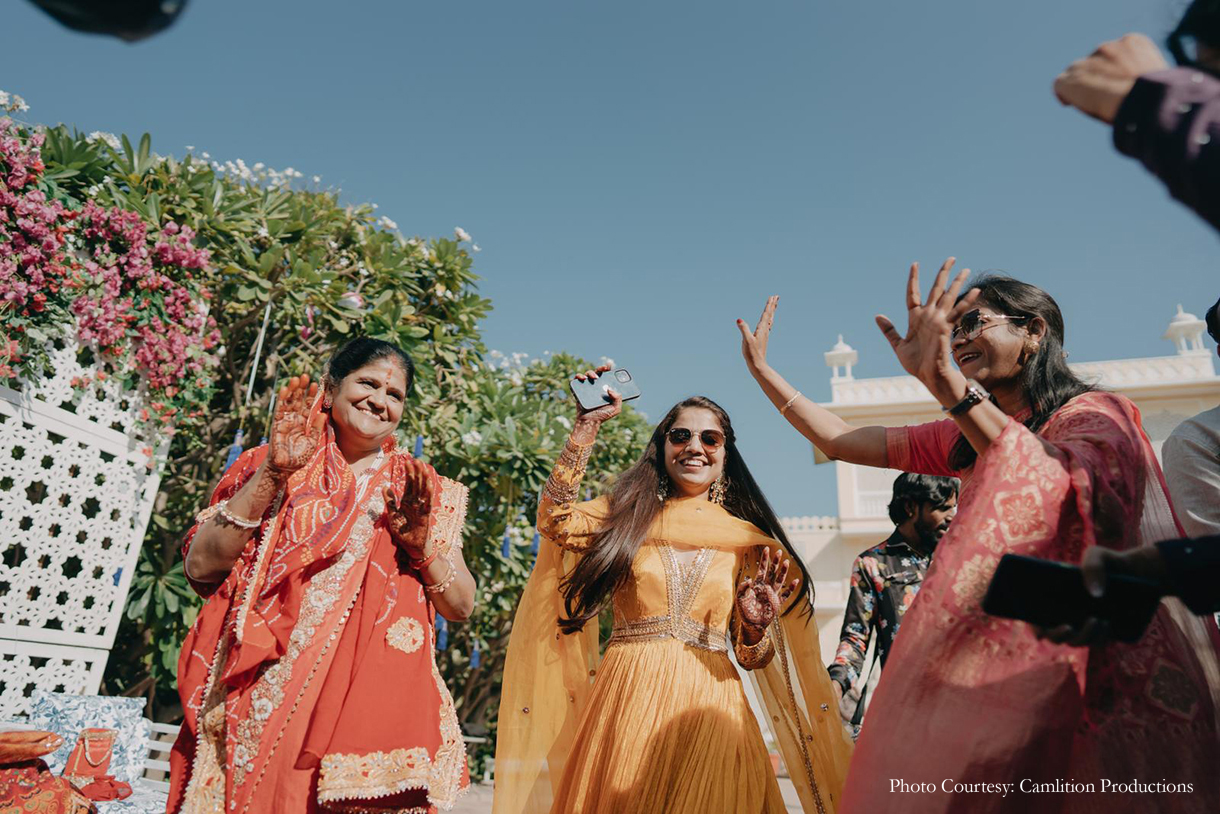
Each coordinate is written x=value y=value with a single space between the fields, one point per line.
x=67 y=715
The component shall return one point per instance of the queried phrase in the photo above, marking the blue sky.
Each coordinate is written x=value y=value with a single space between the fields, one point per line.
x=640 y=174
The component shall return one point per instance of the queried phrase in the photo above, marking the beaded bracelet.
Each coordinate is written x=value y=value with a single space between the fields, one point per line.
x=443 y=585
x=240 y=522
x=222 y=509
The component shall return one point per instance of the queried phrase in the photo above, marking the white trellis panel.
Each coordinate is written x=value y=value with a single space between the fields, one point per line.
x=25 y=666
x=77 y=487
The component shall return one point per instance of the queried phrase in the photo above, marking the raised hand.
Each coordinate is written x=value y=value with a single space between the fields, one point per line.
x=1097 y=84
x=925 y=350
x=408 y=518
x=588 y=421
x=294 y=438
x=754 y=344
x=760 y=598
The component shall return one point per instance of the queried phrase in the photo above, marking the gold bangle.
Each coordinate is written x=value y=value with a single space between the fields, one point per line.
x=752 y=655
x=783 y=410
x=443 y=585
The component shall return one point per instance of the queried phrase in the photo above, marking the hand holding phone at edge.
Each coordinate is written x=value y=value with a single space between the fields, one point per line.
x=1144 y=562
x=589 y=421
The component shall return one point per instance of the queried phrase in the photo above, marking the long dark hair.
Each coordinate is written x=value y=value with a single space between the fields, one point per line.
x=634 y=506
x=1047 y=380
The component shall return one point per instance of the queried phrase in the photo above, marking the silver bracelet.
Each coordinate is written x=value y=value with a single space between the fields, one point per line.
x=784 y=410
x=242 y=523
x=443 y=585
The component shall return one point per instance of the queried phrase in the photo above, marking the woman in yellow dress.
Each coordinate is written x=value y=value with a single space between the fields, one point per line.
x=694 y=562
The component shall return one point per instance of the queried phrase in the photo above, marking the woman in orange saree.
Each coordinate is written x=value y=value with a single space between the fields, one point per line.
x=308 y=680
x=1050 y=466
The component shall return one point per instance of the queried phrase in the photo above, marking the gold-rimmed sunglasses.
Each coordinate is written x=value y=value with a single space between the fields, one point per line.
x=975 y=322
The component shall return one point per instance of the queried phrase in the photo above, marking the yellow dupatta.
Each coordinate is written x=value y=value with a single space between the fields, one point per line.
x=548 y=675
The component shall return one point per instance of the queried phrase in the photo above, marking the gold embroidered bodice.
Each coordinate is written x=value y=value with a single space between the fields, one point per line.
x=670 y=593
x=666 y=597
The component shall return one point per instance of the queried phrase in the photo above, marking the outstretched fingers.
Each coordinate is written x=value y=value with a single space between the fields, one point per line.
x=913 y=298
x=948 y=299
x=942 y=278
x=963 y=305
x=887 y=328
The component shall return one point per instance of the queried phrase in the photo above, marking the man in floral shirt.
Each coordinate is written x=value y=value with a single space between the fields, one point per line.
x=886 y=577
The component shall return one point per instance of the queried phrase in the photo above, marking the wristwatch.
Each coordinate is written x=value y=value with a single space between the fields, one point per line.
x=975 y=394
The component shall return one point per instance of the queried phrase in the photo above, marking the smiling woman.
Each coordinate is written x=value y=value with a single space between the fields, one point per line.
x=689 y=554
x=1050 y=466
x=308 y=680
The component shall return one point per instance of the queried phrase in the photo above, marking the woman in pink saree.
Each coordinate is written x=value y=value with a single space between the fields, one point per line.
x=1050 y=466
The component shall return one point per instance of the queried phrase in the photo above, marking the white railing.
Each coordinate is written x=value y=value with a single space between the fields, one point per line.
x=797 y=525
x=1118 y=374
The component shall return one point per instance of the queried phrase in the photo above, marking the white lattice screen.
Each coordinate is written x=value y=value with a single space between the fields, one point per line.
x=76 y=491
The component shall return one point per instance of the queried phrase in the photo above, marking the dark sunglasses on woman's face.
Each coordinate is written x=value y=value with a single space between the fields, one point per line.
x=711 y=439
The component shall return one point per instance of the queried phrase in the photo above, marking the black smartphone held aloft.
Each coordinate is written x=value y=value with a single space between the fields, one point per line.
x=1047 y=594
x=591 y=393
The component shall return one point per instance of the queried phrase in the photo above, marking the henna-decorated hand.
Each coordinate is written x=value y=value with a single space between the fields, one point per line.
x=408 y=518
x=759 y=599
x=589 y=421
x=925 y=350
x=294 y=438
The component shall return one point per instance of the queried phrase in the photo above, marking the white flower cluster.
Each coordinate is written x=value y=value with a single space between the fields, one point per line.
x=257 y=174
x=109 y=139
x=12 y=103
x=386 y=223
x=462 y=234
x=472 y=438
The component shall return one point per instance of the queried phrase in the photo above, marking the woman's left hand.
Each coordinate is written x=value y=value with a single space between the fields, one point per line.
x=408 y=518
x=925 y=351
x=760 y=599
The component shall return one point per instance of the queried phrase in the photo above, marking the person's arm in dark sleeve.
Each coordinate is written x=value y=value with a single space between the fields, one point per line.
x=857 y=626
x=1192 y=572
x=1170 y=122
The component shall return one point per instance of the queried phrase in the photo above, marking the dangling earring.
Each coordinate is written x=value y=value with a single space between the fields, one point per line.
x=326 y=403
x=716 y=494
x=663 y=489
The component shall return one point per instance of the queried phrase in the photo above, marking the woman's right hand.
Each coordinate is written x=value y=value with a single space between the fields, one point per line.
x=754 y=345
x=294 y=438
x=588 y=421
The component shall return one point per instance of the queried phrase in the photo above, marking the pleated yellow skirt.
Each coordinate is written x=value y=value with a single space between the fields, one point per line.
x=668 y=730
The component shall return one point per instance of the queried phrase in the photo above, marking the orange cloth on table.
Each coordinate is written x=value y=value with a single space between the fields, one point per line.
x=308 y=681
x=27 y=785
x=662 y=723
x=973 y=698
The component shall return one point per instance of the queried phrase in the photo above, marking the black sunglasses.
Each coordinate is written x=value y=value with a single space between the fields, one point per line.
x=711 y=439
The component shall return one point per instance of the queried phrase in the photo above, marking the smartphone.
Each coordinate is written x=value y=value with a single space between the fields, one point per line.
x=1048 y=594
x=591 y=393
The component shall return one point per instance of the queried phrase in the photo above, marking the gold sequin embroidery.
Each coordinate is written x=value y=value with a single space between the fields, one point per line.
x=407 y=634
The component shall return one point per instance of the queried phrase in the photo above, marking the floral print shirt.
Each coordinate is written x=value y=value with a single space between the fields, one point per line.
x=884 y=582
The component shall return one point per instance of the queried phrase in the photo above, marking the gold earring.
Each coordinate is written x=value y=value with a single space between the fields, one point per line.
x=716 y=494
